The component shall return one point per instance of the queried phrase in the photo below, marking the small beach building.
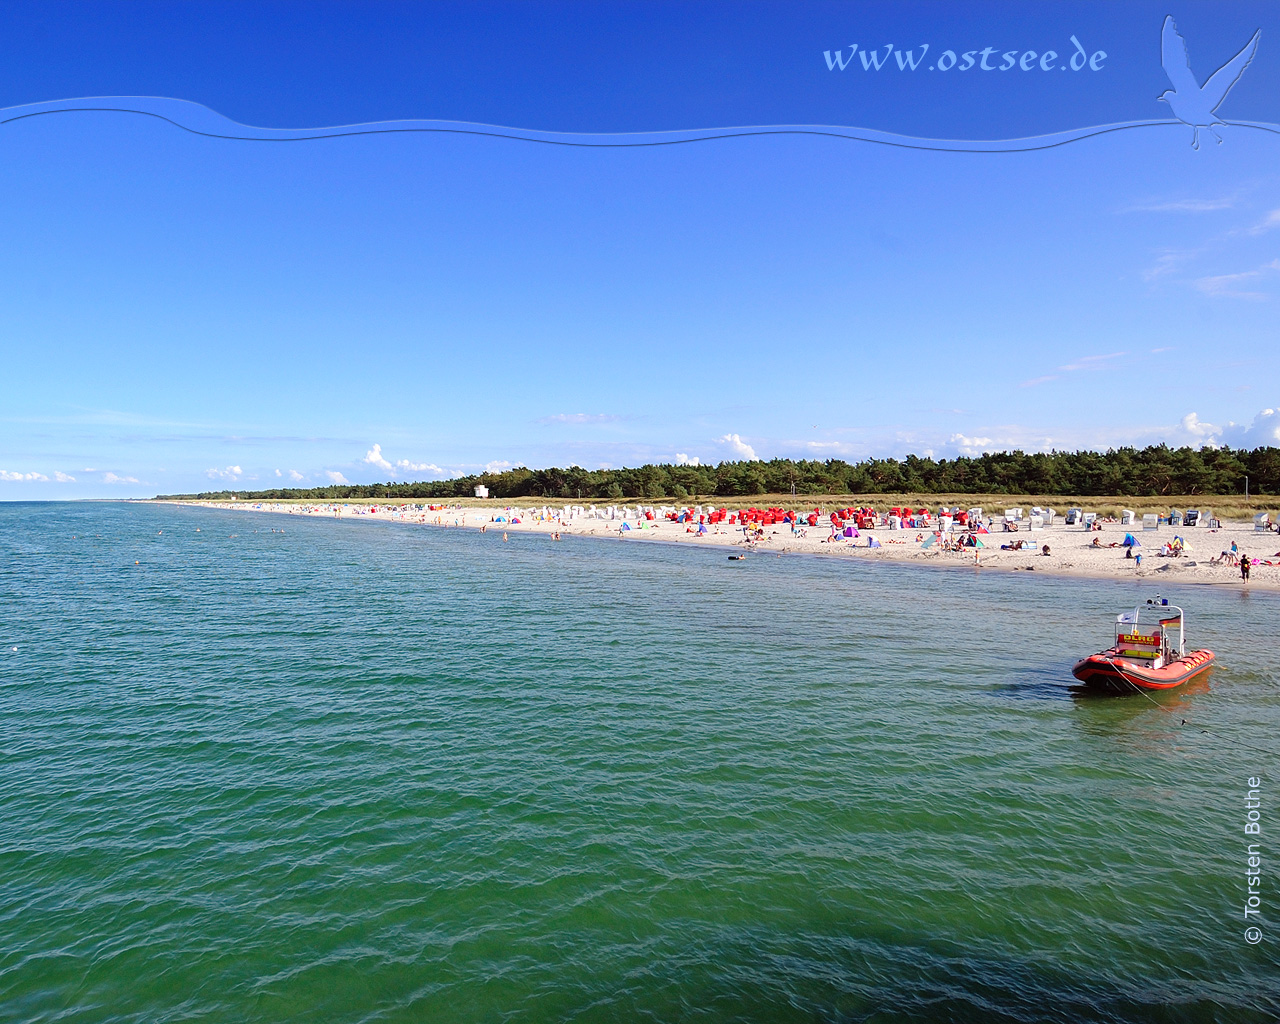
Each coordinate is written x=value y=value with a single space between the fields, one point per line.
x=482 y=491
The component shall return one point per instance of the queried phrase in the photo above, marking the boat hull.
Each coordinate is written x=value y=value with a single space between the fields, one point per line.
x=1108 y=670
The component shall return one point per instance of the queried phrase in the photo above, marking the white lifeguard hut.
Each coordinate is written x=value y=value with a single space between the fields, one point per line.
x=482 y=491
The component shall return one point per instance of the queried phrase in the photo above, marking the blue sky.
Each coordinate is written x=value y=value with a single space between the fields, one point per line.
x=179 y=313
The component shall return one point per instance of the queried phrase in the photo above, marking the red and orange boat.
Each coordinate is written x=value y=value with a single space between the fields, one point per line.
x=1145 y=657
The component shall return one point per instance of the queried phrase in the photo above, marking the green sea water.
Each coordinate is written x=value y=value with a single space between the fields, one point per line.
x=373 y=772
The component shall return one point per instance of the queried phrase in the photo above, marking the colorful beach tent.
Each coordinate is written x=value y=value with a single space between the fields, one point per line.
x=1130 y=541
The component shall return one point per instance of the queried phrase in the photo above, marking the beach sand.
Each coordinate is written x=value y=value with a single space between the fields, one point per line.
x=1071 y=547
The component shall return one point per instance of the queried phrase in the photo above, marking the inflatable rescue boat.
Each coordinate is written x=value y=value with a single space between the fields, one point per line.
x=1145 y=656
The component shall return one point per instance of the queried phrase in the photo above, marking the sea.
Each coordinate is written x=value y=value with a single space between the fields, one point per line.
x=266 y=768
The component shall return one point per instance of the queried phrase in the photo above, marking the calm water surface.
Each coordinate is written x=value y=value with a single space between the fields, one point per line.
x=365 y=772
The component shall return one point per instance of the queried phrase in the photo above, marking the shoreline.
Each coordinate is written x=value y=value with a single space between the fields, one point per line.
x=1071 y=552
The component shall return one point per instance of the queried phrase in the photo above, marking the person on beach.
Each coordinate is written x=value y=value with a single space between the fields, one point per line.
x=1244 y=567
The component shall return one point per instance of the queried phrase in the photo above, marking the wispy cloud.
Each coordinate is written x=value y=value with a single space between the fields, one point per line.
x=1168 y=261
x=1184 y=205
x=1083 y=363
x=683 y=459
x=1229 y=286
x=1268 y=223
x=579 y=417
x=294 y=475
x=63 y=478
x=497 y=466
x=335 y=477
x=112 y=478
x=15 y=478
x=230 y=473
x=1090 y=362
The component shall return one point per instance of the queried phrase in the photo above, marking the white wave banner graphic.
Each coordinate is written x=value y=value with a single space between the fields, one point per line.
x=201 y=120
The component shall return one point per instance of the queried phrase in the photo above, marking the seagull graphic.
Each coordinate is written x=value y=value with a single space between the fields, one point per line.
x=1192 y=103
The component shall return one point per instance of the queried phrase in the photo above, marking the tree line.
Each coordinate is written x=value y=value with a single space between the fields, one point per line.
x=1152 y=471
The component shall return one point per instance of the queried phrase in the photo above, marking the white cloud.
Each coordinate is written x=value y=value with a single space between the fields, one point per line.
x=336 y=477
x=1194 y=426
x=294 y=475
x=496 y=467
x=684 y=460
x=63 y=478
x=1264 y=430
x=738 y=446
x=971 y=446
x=278 y=473
x=418 y=467
x=374 y=457
x=111 y=478
x=230 y=473
x=1227 y=285
x=22 y=477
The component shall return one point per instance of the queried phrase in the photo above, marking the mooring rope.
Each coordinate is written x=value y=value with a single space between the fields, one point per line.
x=1139 y=689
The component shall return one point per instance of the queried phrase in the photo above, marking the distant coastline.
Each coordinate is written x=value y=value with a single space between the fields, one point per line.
x=1072 y=551
x=1157 y=472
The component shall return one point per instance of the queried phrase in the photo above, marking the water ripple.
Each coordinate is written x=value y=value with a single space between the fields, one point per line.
x=371 y=773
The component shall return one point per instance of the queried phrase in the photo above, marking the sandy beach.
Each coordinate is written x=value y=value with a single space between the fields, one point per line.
x=1073 y=551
